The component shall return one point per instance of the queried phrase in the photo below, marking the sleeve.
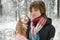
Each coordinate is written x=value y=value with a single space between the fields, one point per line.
x=51 y=33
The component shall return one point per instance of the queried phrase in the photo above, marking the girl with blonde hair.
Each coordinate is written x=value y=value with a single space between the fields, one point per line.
x=21 y=28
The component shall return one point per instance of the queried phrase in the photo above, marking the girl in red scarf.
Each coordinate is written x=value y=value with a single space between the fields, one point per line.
x=40 y=23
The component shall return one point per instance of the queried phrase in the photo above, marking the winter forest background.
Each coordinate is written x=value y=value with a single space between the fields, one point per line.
x=10 y=10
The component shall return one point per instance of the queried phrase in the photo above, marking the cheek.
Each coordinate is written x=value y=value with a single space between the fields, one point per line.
x=26 y=18
x=38 y=13
x=22 y=20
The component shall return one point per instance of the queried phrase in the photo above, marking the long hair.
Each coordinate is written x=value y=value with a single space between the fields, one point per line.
x=20 y=29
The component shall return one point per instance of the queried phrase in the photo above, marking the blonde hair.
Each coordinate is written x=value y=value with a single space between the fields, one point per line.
x=20 y=29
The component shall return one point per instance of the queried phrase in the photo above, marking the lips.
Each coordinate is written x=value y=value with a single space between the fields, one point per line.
x=26 y=20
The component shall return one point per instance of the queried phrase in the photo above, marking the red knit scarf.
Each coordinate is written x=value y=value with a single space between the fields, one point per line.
x=36 y=19
x=39 y=20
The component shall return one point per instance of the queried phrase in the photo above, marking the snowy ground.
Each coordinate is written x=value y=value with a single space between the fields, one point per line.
x=12 y=25
x=56 y=23
x=7 y=30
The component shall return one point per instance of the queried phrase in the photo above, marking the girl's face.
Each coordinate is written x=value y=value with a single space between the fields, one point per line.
x=35 y=13
x=24 y=19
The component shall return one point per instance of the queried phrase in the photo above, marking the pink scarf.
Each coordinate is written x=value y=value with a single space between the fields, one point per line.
x=41 y=21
